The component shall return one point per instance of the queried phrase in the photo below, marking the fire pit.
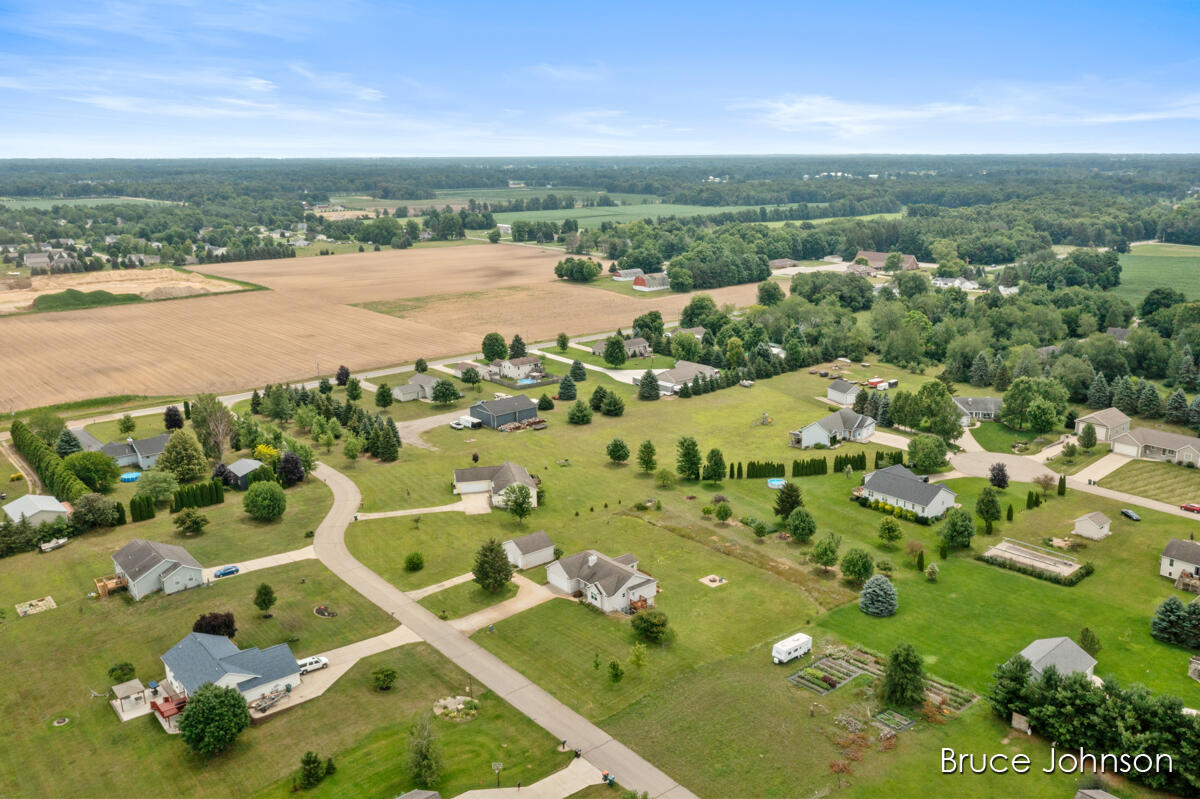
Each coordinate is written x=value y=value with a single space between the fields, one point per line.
x=324 y=612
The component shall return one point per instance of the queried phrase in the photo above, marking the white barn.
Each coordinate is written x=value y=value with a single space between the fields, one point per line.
x=529 y=550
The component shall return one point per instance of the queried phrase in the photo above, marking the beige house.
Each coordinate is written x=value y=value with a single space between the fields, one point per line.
x=1108 y=423
x=492 y=480
x=1159 y=445
x=1094 y=525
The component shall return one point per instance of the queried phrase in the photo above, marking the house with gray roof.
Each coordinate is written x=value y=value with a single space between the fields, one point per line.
x=636 y=347
x=37 y=509
x=201 y=658
x=984 y=409
x=242 y=469
x=1094 y=525
x=529 y=550
x=841 y=425
x=1180 y=557
x=842 y=391
x=1108 y=423
x=897 y=485
x=492 y=480
x=497 y=412
x=1158 y=445
x=1062 y=653
x=149 y=566
x=610 y=584
x=670 y=381
x=419 y=387
x=142 y=453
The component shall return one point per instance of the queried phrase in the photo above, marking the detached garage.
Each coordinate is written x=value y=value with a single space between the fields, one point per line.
x=529 y=550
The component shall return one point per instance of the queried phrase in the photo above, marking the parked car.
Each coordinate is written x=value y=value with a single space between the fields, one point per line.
x=312 y=664
x=1128 y=514
x=457 y=425
x=226 y=571
x=1191 y=507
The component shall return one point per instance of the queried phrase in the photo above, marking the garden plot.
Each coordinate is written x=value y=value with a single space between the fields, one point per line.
x=1031 y=557
x=825 y=675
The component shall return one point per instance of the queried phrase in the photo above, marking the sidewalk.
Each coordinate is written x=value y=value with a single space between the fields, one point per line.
x=578 y=775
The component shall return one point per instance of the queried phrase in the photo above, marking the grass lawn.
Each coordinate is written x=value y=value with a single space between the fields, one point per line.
x=1152 y=265
x=999 y=437
x=655 y=361
x=146 y=427
x=1156 y=480
x=466 y=598
x=1063 y=465
x=13 y=488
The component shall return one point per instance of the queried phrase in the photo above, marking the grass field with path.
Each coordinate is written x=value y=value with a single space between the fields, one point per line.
x=1165 y=482
x=655 y=361
x=1149 y=266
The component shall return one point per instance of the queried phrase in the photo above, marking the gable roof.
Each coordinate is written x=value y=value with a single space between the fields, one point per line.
x=898 y=481
x=202 y=658
x=978 y=404
x=145 y=447
x=522 y=361
x=1187 y=551
x=88 y=441
x=140 y=556
x=1062 y=653
x=1108 y=417
x=420 y=379
x=32 y=504
x=844 y=419
x=532 y=542
x=1096 y=517
x=1148 y=436
x=630 y=272
x=244 y=466
x=654 y=280
x=501 y=476
x=607 y=574
x=685 y=371
x=841 y=386
x=498 y=407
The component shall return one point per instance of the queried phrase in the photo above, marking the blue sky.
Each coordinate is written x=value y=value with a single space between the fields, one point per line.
x=355 y=78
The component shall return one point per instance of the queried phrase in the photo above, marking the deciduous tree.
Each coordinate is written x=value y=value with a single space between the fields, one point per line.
x=213 y=718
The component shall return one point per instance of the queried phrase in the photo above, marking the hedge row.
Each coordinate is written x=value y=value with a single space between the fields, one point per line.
x=857 y=462
x=58 y=479
x=1074 y=579
x=892 y=458
x=754 y=470
x=141 y=508
x=809 y=467
x=198 y=495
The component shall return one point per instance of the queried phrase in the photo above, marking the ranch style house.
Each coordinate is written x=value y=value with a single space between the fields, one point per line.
x=898 y=486
x=610 y=584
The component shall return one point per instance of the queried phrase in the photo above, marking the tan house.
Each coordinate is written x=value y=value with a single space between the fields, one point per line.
x=1094 y=525
x=636 y=347
x=1108 y=423
x=1158 y=445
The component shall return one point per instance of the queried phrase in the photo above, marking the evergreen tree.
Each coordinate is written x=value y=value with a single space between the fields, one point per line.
x=1089 y=642
x=1099 y=395
x=860 y=402
x=384 y=445
x=516 y=349
x=787 y=499
x=615 y=354
x=613 y=405
x=1062 y=485
x=685 y=391
x=1177 y=408
x=885 y=411
x=597 y=398
x=566 y=388
x=687 y=459
x=492 y=569
x=648 y=386
x=1001 y=378
x=1150 y=404
x=617 y=450
x=67 y=444
x=1193 y=413
x=312 y=770
x=1167 y=624
x=579 y=413
x=714 y=466
x=987 y=507
x=878 y=597
x=578 y=371
x=383 y=395
x=545 y=403
x=1087 y=436
x=343 y=374
x=646 y=459
x=172 y=418
x=1124 y=396
x=904 y=677
x=981 y=371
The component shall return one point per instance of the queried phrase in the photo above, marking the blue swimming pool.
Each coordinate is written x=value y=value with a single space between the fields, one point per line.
x=130 y=477
x=776 y=482
x=526 y=381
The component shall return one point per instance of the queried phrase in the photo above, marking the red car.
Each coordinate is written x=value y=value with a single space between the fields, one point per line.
x=1191 y=506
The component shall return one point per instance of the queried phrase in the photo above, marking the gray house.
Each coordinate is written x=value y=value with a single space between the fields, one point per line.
x=494 y=413
x=419 y=387
x=670 y=381
x=142 y=453
x=149 y=566
x=242 y=469
x=1062 y=653
x=635 y=347
x=843 y=424
x=898 y=486
x=610 y=584
x=201 y=658
x=492 y=480
x=1108 y=423
x=984 y=409
x=529 y=550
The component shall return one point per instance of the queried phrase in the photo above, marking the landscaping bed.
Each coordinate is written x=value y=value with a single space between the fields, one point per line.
x=825 y=675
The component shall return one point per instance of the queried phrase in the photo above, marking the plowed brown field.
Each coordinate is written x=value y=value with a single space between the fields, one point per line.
x=225 y=343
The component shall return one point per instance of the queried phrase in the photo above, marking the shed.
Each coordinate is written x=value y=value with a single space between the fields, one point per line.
x=1066 y=656
x=494 y=413
x=38 y=509
x=842 y=392
x=1094 y=525
x=242 y=469
x=529 y=550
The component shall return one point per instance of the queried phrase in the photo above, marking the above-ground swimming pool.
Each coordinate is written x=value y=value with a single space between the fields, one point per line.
x=776 y=482
x=130 y=477
x=526 y=381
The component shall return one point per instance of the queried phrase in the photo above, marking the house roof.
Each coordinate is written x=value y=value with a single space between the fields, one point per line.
x=244 y=466
x=140 y=556
x=463 y=366
x=532 y=542
x=841 y=386
x=522 y=361
x=31 y=504
x=1119 y=333
x=1148 y=436
x=1108 y=417
x=88 y=441
x=978 y=404
x=685 y=371
x=420 y=379
x=498 y=407
x=128 y=688
x=1187 y=551
x=655 y=280
x=879 y=259
x=630 y=272
x=898 y=481
x=1061 y=653
x=844 y=419
x=1096 y=517
x=596 y=568
x=406 y=392
x=202 y=658
x=145 y=447
x=501 y=476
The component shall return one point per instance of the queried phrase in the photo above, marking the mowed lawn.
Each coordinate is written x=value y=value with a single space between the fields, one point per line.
x=54 y=659
x=1149 y=266
x=999 y=437
x=1156 y=480
x=655 y=361
x=13 y=488
x=1082 y=460
x=466 y=598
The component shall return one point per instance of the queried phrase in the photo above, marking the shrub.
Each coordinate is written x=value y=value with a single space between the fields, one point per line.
x=651 y=624
x=121 y=672
x=213 y=719
x=265 y=501
x=857 y=565
x=414 y=562
x=878 y=597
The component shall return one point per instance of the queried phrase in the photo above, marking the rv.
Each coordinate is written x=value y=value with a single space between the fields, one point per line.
x=791 y=648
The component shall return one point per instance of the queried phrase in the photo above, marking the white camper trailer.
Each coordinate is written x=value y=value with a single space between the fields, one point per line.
x=791 y=648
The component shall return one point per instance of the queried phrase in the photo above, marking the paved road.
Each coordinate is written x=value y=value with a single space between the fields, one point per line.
x=599 y=748
x=626 y=376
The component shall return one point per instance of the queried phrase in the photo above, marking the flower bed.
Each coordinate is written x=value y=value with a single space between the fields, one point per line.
x=894 y=721
x=825 y=675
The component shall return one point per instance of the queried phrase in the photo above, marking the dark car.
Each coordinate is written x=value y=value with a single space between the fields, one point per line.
x=1128 y=514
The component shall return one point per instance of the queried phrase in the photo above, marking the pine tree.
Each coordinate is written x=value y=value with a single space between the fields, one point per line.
x=385 y=447
x=685 y=391
x=566 y=388
x=884 y=419
x=1099 y=395
x=1088 y=641
x=312 y=770
x=516 y=349
x=1167 y=624
x=1193 y=414
x=646 y=459
x=1177 y=408
x=787 y=499
x=648 y=386
x=1124 y=396
x=1150 y=404
x=492 y=570
x=1087 y=437
x=255 y=402
x=67 y=444
x=687 y=459
x=860 y=402
x=1062 y=485
x=578 y=371
x=981 y=371
x=878 y=597
x=597 y=398
x=1001 y=379
x=904 y=677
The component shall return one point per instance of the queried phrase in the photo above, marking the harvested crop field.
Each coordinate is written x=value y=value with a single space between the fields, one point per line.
x=150 y=284
x=441 y=302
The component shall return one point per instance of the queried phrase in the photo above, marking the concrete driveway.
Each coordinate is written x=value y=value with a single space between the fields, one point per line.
x=1102 y=468
x=267 y=562
x=529 y=595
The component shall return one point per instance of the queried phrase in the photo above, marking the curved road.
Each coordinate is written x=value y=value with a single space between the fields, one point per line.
x=599 y=748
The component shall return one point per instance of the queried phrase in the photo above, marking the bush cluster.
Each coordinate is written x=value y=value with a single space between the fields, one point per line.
x=60 y=480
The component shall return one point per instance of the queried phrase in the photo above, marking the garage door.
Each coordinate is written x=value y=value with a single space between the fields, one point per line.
x=1122 y=448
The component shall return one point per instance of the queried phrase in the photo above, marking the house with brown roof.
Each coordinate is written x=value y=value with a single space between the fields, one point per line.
x=879 y=259
x=610 y=584
x=1108 y=423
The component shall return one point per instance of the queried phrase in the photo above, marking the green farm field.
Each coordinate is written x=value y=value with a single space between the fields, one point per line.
x=46 y=203
x=1149 y=266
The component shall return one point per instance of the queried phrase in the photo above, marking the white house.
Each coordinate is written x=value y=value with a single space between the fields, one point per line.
x=898 y=486
x=517 y=368
x=844 y=425
x=1180 y=557
x=1159 y=445
x=1108 y=423
x=983 y=409
x=493 y=480
x=142 y=453
x=1062 y=653
x=149 y=566
x=529 y=550
x=37 y=508
x=842 y=392
x=1094 y=525
x=670 y=381
x=955 y=283
x=419 y=386
x=201 y=658
x=610 y=584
